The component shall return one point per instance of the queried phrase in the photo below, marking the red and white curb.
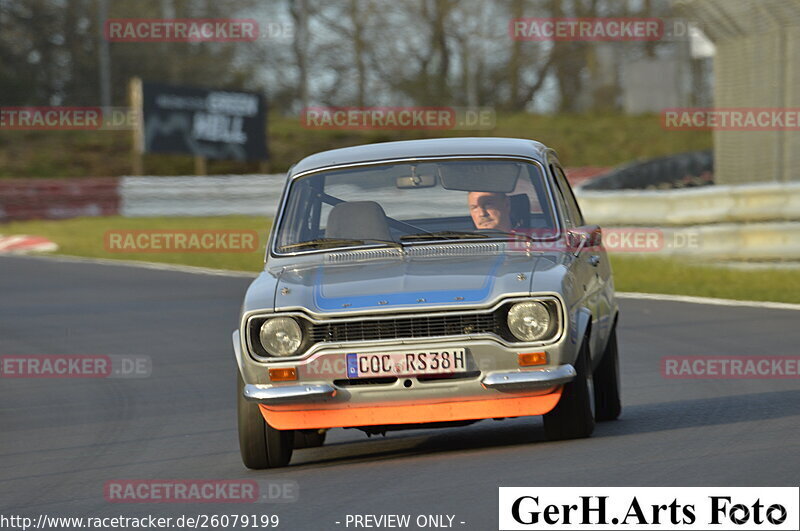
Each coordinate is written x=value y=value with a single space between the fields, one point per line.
x=23 y=244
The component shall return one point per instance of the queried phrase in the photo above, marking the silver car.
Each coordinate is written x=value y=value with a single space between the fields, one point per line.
x=427 y=283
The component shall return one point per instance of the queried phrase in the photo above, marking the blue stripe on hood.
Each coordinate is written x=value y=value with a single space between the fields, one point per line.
x=404 y=298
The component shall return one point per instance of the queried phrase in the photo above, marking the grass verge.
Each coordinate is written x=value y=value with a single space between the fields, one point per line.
x=679 y=277
x=87 y=237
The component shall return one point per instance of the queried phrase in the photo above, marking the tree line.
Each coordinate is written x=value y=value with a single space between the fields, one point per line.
x=332 y=52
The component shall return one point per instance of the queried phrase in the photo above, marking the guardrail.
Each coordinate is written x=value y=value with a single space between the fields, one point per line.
x=259 y=194
x=744 y=222
x=693 y=206
x=726 y=241
x=223 y=195
x=218 y=195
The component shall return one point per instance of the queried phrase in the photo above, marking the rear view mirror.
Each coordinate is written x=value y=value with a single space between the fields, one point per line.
x=499 y=177
x=416 y=181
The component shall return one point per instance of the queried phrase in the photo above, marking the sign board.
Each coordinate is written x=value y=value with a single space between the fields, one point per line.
x=207 y=123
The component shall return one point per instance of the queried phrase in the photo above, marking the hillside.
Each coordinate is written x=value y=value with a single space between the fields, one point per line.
x=581 y=140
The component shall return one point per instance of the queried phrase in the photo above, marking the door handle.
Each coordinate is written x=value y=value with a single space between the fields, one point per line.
x=594 y=260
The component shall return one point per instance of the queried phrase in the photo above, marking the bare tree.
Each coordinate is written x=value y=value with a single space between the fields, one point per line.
x=300 y=15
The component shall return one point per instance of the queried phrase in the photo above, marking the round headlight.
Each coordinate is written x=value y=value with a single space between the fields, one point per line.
x=529 y=321
x=281 y=336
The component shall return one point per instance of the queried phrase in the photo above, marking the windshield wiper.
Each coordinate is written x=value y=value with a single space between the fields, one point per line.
x=463 y=235
x=336 y=242
x=515 y=235
x=443 y=235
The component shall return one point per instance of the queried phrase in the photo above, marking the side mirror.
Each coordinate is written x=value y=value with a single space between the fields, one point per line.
x=595 y=236
x=590 y=236
x=576 y=240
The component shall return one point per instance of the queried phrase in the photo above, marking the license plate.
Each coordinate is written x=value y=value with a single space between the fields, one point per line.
x=377 y=364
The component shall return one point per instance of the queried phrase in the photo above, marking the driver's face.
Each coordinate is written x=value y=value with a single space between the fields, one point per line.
x=490 y=210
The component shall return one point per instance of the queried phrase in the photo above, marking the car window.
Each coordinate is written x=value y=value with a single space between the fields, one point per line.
x=382 y=203
x=574 y=211
x=561 y=202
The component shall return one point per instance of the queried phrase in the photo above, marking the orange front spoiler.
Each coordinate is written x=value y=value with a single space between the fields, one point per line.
x=516 y=406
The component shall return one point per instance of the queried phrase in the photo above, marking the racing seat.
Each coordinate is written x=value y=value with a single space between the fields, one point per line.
x=358 y=220
x=520 y=211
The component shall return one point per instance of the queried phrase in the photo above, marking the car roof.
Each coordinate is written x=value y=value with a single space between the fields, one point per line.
x=434 y=147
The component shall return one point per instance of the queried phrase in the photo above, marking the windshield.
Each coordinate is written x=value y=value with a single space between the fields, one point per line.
x=409 y=203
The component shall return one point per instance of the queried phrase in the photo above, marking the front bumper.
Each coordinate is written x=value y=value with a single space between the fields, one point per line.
x=526 y=399
x=494 y=387
x=531 y=380
x=287 y=393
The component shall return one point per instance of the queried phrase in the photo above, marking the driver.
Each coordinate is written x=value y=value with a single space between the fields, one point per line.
x=490 y=210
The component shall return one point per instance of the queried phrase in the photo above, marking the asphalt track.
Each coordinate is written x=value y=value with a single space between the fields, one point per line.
x=62 y=439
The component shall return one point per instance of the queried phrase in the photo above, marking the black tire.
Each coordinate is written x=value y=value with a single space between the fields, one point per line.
x=607 y=401
x=261 y=445
x=573 y=418
x=308 y=439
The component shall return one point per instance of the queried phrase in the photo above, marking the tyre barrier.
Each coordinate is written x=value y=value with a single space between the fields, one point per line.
x=22 y=199
x=691 y=169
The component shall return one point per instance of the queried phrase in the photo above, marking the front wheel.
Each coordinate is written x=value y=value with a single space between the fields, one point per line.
x=606 y=382
x=261 y=445
x=573 y=416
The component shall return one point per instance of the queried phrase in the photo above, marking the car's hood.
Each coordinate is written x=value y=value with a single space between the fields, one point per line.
x=404 y=282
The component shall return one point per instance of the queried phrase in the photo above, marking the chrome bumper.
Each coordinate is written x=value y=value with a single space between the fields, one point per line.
x=534 y=380
x=287 y=393
x=530 y=380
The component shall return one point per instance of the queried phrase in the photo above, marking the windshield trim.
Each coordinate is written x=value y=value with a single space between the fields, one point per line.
x=272 y=249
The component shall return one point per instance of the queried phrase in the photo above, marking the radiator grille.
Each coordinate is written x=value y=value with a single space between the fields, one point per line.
x=406 y=327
